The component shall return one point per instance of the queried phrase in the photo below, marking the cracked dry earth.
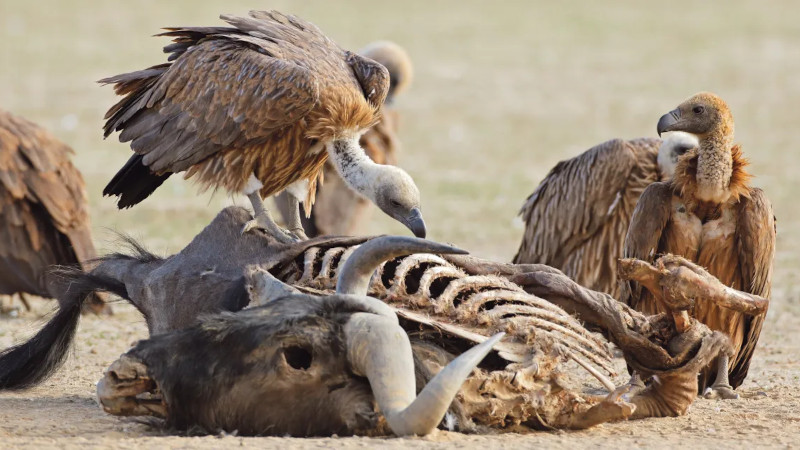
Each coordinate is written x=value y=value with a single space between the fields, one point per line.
x=63 y=413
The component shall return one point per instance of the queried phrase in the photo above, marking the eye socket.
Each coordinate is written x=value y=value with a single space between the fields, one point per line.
x=698 y=110
x=395 y=203
x=298 y=358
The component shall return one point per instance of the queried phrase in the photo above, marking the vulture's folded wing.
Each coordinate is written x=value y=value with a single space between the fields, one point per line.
x=43 y=202
x=644 y=233
x=227 y=90
x=569 y=216
x=756 y=233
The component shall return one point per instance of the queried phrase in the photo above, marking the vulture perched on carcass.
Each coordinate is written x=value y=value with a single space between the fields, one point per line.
x=338 y=210
x=43 y=210
x=257 y=108
x=577 y=217
x=709 y=214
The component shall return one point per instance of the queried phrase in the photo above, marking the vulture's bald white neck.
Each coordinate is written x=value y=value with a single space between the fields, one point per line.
x=355 y=167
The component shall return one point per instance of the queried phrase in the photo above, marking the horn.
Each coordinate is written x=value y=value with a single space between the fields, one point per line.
x=263 y=287
x=381 y=351
x=355 y=274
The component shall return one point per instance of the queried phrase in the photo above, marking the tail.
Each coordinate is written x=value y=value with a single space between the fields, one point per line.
x=32 y=362
x=134 y=183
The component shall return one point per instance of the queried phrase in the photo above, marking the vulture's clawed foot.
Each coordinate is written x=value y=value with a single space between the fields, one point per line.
x=611 y=409
x=265 y=223
x=635 y=386
x=721 y=388
x=299 y=234
x=127 y=390
x=724 y=392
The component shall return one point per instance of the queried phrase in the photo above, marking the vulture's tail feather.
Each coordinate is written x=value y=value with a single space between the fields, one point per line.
x=28 y=364
x=134 y=182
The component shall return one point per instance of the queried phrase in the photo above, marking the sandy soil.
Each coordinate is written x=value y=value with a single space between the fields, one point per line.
x=63 y=412
x=503 y=90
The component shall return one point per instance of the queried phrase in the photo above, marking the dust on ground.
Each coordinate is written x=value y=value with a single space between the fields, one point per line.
x=503 y=90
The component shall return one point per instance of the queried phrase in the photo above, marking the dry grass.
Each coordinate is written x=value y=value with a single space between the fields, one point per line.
x=503 y=90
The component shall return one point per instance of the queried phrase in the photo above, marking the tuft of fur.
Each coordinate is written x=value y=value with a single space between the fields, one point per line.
x=351 y=115
x=684 y=181
x=29 y=363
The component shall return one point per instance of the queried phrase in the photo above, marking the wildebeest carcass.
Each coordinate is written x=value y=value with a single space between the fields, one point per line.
x=446 y=306
x=301 y=365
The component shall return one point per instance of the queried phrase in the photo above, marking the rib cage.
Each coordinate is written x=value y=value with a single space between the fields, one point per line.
x=486 y=304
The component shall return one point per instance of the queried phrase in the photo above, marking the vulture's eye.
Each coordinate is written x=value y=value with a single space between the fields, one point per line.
x=698 y=110
x=298 y=358
x=395 y=203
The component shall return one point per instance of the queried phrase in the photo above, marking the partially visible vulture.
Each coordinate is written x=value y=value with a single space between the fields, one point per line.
x=708 y=214
x=577 y=217
x=43 y=210
x=256 y=108
x=338 y=210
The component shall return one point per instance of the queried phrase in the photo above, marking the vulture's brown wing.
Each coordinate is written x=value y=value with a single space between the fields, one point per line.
x=43 y=204
x=570 y=216
x=755 y=231
x=219 y=94
x=647 y=225
x=380 y=142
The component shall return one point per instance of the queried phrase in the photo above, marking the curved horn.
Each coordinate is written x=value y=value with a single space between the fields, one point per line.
x=380 y=350
x=263 y=287
x=355 y=274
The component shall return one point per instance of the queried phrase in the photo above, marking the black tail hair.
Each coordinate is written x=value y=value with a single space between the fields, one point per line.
x=134 y=182
x=28 y=364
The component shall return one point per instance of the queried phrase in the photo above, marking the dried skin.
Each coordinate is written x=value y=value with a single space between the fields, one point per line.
x=484 y=304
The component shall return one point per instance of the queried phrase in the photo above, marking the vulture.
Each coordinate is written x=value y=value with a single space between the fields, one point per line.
x=577 y=217
x=711 y=215
x=338 y=210
x=256 y=108
x=43 y=209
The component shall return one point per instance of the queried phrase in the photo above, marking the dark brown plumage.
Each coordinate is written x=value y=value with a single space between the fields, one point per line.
x=256 y=107
x=577 y=217
x=43 y=209
x=710 y=215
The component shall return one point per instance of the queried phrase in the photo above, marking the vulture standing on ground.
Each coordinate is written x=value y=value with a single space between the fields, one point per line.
x=43 y=210
x=577 y=217
x=710 y=215
x=257 y=108
x=338 y=210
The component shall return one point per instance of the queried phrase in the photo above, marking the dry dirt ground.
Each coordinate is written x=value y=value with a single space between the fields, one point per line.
x=502 y=92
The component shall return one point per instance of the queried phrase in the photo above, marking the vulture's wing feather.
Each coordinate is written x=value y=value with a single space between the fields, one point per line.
x=380 y=142
x=647 y=225
x=569 y=217
x=43 y=204
x=219 y=93
x=755 y=230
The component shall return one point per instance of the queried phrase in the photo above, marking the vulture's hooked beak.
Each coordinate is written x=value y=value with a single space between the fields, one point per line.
x=415 y=223
x=667 y=121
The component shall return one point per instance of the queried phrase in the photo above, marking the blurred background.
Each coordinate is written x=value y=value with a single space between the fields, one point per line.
x=502 y=92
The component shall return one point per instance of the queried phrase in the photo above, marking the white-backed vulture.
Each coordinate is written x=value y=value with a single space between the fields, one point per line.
x=337 y=209
x=577 y=217
x=708 y=214
x=43 y=210
x=255 y=109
